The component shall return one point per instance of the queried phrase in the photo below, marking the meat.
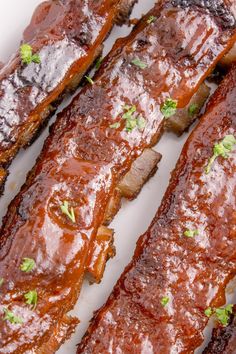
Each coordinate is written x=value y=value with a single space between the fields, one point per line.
x=184 y=261
x=67 y=35
x=49 y=232
x=223 y=338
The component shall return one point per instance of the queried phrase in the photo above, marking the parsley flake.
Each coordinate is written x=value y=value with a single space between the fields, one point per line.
x=164 y=301
x=27 y=265
x=140 y=64
x=223 y=314
x=1 y=281
x=193 y=109
x=223 y=148
x=151 y=19
x=98 y=63
x=191 y=233
x=115 y=125
x=208 y=312
x=132 y=121
x=65 y=210
x=27 y=55
x=9 y=316
x=31 y=298
x=88 y=78
x=169 y=108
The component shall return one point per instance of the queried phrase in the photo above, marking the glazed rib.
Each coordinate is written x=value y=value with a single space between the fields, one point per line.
x=67 y=35
x=85 y=158
x=191 y=272
x=223 y=338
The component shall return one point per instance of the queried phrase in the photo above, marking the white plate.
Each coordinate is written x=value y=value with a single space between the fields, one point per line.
x=134 y=217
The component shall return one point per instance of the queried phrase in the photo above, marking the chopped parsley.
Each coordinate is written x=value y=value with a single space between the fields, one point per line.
x=27 y=265
x=208 y=312
x=140 y=64
x=222 y=313
x=88 y=78
x=191 y=233
x=193 y=109
x=151 y=19
x=27 y=55
x=31 y=298
x=1 y=281
x=164 y=301
x=98 y=63
x=223 y=148
x=65 y=210
x=115 y=125
x=9 y=316
x=169 y=108
x=131 y=120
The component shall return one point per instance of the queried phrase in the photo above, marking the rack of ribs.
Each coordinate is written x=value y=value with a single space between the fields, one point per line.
x=184 y=261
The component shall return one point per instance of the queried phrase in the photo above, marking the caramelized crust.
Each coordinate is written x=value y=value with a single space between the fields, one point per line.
x=68 y=36
x=84 y=159
x=191 y=272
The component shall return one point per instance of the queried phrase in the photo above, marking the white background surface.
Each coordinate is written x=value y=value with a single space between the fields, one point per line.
x=134 y=217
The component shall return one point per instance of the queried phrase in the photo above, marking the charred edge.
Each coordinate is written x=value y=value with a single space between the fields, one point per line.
x=125 y=9
x=216 y=8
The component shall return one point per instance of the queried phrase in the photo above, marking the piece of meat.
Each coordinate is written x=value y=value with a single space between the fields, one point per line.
x=68 y=36
x=223 y=338
x=229 y=58
x=55 y=218
x=159 y=303
x=185 y=116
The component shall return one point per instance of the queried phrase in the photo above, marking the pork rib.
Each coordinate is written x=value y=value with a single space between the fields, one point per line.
x=67 y=35
x=188 y=273
x=55 y=218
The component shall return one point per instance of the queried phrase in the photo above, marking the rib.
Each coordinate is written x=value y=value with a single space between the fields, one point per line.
x=191 y=272
x=55 y=218
x=223 y=338
x=67 y=35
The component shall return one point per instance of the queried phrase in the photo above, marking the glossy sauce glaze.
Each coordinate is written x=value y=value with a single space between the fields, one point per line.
x=191 y=272
x=67 y=35
x=83 y=159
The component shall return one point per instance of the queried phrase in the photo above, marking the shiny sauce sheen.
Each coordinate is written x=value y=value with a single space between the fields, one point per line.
x=83 y=159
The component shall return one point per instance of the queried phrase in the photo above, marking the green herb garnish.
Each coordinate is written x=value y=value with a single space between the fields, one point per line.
x=88 y=78
x=169 y=108
x=191 y=233
x=164 y=301
x=27 y=55
x=9 y=316
x=151 y=19
x=31 y=298
x=115 y=125
x=1 y=281
x=208 y=312
x=193 y=109
x=139 y=63
x=98 y=63
x=65 y=210
x=222 y=313
x=132 y=121
x=223 y=148
x=27 y=265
